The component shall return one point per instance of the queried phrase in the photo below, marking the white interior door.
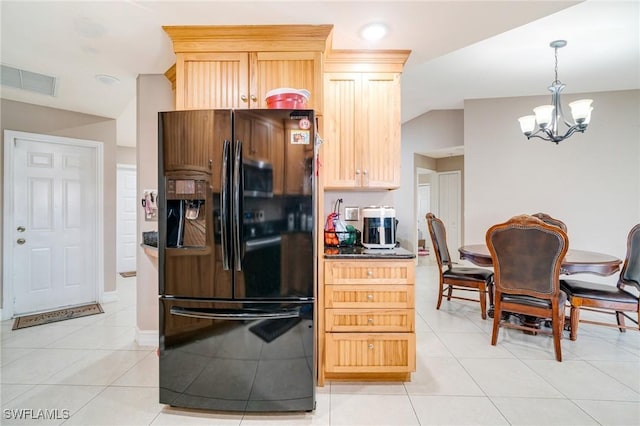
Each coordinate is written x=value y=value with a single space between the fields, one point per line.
x=126 y=219
x=450 y=208
x=52 y=228
x=424 y=207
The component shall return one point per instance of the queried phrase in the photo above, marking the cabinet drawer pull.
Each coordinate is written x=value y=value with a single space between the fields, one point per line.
x=369 y=273
x=369 y=296
x=357 y=171
x=254 y=98
x=243 y=98
x=370 y=345
x=370 y=320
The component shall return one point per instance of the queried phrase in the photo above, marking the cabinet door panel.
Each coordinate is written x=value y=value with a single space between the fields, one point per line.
x=341 y=150
x=381 y=95
x=370 y=353
x=212 y=80
x=297 y=70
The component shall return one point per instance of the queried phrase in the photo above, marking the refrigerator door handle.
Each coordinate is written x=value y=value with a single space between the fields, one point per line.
x=224 y=206
x=237 y=205
x=260 y=243
x=237 y=315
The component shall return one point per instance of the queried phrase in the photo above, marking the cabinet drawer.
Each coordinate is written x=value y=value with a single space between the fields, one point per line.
x=366 y=272
x=368 y=297
x=370 y=353
x=377 y=320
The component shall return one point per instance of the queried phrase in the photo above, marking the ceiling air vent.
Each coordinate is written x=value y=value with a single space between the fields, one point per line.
x=27 y=80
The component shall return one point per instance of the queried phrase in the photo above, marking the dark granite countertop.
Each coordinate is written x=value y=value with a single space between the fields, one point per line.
x=358 y=252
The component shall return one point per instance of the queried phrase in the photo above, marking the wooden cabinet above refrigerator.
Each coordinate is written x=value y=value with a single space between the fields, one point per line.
x=235 y=66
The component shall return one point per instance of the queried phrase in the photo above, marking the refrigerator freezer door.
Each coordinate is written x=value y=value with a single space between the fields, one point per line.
x=237 y=357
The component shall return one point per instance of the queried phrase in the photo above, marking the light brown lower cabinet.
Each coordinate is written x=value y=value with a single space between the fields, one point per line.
x=368 y=320
x=371 y=353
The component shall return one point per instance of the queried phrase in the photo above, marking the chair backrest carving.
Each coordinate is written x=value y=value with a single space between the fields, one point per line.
x=439 y=239
x=551 y=220
x=527 y=254
x=630 y=273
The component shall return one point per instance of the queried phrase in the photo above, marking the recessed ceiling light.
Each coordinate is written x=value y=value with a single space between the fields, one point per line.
x=373 y=32
x=109 y=80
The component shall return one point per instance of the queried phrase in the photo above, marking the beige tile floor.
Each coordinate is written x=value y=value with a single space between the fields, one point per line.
x=93 y=368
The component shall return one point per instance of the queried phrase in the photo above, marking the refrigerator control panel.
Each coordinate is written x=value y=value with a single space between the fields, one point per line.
x=182 y=189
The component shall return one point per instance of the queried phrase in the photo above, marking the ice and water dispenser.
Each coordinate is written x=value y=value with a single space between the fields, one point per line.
x=186 y=212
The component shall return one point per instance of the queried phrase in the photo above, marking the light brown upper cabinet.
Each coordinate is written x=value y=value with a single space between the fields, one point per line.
x=362 y=120
x=235 y=66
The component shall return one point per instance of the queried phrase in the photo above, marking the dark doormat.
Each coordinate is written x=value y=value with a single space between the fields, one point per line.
x=59 y=315
x=271 y=329
x=128 y=274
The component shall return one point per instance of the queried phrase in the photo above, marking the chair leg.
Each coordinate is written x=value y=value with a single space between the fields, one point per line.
x=483 y=301
x=497 y=317
x=574 y=320
x=490 y=291
x=620 y=319
x=449 y=292
x=440 y=295
x=557 y=325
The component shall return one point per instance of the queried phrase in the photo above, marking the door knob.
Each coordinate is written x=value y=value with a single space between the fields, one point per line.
x=20 y=229
x=21 y=241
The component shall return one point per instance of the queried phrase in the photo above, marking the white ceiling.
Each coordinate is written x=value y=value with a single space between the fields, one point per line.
x=460 y=49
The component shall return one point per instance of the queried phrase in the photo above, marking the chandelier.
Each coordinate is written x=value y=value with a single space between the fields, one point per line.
x=547 y=119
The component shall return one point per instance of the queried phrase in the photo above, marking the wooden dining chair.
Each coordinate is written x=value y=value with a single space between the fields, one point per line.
x=459 y=277
x=527 y=254
x=551 y=220
x=608 y=299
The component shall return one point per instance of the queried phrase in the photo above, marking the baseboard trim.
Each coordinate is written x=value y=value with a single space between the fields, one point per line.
x=147 y=337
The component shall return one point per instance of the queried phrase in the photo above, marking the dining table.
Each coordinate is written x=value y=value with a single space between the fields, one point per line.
x=574 y=262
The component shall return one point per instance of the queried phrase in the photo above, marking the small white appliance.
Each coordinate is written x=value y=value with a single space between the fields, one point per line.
x=379 y=227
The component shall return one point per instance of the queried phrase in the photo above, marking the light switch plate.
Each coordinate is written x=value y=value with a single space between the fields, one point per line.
x=351 y=213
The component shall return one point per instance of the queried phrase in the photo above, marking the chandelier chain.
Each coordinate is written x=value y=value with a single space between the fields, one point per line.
x=556 y=68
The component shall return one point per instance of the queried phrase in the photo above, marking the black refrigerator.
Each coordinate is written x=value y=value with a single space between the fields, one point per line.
x=236 y=259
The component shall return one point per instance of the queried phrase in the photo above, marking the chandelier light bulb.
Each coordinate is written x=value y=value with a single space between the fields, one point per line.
x=527 y=124
x=581 y=109
x=544 y=115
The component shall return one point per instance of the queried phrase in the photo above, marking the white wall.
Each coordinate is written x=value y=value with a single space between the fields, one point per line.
x=590 y=181
x=154 y=95
x=431 y=131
